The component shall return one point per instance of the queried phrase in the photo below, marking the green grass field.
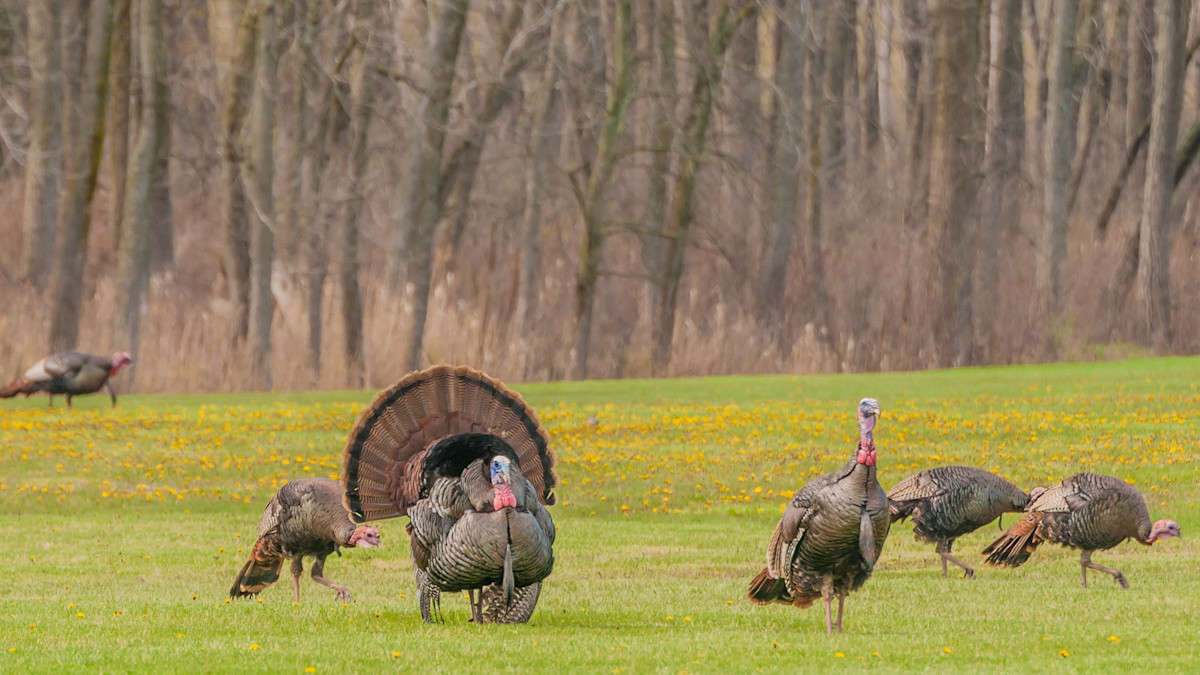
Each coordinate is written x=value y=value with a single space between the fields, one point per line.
x=123 y=531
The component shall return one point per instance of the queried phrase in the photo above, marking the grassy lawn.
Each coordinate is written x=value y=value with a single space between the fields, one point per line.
x=123 y=531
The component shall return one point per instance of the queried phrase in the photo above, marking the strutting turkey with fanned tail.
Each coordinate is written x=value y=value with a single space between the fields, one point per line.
x=1088 y=511
x=305 y=517
x=831 y=534
x=947 y=502
x=466 y=460
x=71 y=374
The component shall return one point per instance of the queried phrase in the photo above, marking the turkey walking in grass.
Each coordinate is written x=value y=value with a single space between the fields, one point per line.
x=949 y=501
x=829 y=538
x=305 y=518
x=71 y=374
x=467 y=461
x=1088 y=511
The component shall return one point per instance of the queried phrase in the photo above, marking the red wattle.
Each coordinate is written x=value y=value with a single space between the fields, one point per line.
x=503 y=496
x=866 y=456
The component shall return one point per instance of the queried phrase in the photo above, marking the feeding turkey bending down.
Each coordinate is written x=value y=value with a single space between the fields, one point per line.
x=831 y=534
x=69 y=373
x=304 y=518
x=466 y=460
x=1088 y=511
x=949 y=501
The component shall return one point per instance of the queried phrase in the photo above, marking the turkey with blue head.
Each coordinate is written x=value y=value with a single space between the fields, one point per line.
x=466 y=460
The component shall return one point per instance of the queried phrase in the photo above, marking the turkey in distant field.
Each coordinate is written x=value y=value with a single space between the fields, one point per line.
x=949 y=501
x=829 y=538
x=1088 y=511
x=69 y=373
x=304 y=518
x=467 y=461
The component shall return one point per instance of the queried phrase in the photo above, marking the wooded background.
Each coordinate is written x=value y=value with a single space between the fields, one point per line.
x=319 y=194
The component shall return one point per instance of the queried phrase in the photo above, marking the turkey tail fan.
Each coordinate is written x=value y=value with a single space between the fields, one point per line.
x=383 y=462
x=1014 y=546
x=764 y=590
x=260 y=571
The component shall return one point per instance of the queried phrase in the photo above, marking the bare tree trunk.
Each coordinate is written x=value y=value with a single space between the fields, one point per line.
x=1140 y=25
x=783 y=168
x=591 y=191
x=839 y=38
x=662 y=126
x=952 y=183
x=258 y=175
x=418 y=211
x=117 y=133
x=320 y=123
x=1062 y=112
x=1003 y=142
x=83 y=164
x=44 y=166
x=530 y=271
x=512 y=49
x=1154 y=260
x=237 y=93
x=814 y=259
x=162 y=228
x=133 y=258
x=691 y=142
x=361 y=108
x=916 y=95
x=868 y=83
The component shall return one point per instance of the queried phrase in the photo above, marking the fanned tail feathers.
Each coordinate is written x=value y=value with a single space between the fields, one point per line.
x=1014 y=546
x=383 y=459
x=260 y=571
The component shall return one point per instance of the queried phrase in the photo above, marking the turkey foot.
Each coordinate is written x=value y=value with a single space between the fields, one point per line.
x=968 y=572
x=318 y=570
x=1085 y=563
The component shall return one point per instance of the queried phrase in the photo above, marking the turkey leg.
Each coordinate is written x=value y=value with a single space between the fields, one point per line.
x=476 y=605
x=944 y=551
x=841 y=605
x=318 y=570
x=297 y=570
x=112 y=392
x=1085 y=562
x=827 y=598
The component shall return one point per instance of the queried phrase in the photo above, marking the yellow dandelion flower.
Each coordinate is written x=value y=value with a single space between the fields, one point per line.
x=179 y=636
x=255 y=646
x=947 y=650
x=839 y=655
x=1113 y=638
x=395 y=655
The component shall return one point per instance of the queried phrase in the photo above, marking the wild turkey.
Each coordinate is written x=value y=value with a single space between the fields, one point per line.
x=69 y=373
x=466 y=460
x=949 y=501
x=829 y=538
x=305 y=517
x=1088 y=511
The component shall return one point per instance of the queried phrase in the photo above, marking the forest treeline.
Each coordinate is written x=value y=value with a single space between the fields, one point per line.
x=300 y=194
